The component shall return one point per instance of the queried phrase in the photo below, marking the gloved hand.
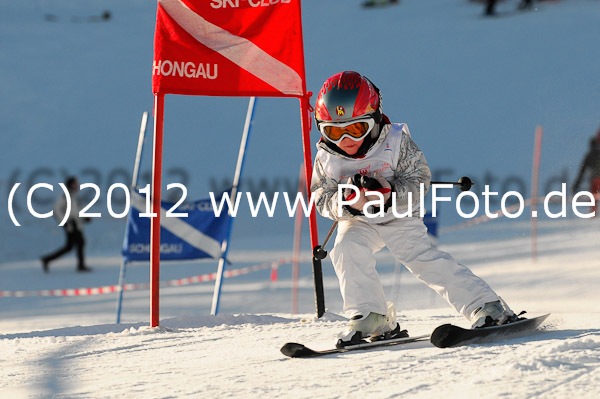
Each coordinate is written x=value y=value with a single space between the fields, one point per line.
x=365 y=182
x=379 y=184
x=357 y=207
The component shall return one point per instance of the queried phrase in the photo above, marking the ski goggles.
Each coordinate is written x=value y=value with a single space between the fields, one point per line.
x=355 y=130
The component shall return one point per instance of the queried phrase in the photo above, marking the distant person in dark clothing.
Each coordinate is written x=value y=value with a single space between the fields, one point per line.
x=490 y=7
x=73 y=228
x=591 y=163
x=378 y=3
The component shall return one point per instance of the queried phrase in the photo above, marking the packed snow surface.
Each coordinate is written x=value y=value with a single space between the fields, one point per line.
x=67 y=347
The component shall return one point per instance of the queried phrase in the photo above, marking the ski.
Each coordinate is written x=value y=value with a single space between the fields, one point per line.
x=292 y=349
x=444 y=336
x=448 y=335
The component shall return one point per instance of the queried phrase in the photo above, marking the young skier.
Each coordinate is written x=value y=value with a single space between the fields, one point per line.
x=362 y=148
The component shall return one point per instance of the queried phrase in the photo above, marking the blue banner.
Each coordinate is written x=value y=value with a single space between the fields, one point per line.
x=199 y=235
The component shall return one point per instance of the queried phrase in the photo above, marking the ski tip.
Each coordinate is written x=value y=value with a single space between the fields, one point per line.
x=292 y=349
x=440 y=336
x=544 y=316
x=448 y=335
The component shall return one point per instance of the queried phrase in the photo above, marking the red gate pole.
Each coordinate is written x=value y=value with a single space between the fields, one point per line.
x=297 y=242
x=312 y=222
x=159 y=107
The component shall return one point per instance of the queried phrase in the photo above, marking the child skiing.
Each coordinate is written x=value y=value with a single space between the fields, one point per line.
x=363 y=159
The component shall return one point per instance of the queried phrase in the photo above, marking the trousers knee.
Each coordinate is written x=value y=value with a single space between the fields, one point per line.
x=349 y=247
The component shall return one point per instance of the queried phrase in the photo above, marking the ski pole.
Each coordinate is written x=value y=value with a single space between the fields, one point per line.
x=464 y=182
x=319 y=251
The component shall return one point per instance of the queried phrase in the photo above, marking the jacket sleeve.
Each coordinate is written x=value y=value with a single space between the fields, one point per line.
x=411 y=171
x=325 y=192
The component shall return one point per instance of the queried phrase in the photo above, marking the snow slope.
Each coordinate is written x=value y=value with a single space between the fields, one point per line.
x=68 y=347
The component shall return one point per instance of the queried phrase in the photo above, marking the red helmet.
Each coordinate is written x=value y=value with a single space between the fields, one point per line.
x=347 y=96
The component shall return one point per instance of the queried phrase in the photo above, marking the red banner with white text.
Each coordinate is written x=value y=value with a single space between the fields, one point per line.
x=229 y=48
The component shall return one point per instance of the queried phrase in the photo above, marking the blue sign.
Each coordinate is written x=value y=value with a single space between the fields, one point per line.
x=199 y=235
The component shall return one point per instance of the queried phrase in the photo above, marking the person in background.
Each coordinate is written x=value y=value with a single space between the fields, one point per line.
x=490 y=6
x=379 y=3
x=73 y=228
x=591 y=164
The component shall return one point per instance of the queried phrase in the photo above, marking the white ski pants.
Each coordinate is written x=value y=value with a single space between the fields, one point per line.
x=354 y=263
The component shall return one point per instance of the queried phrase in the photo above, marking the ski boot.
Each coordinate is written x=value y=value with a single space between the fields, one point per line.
x=493 y=314
x=374 y=327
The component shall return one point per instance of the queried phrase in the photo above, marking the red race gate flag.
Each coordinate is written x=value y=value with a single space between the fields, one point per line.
x=229 y=48
x=248 y=48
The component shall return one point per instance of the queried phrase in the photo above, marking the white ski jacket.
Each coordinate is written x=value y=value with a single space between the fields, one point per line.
x=394 y=156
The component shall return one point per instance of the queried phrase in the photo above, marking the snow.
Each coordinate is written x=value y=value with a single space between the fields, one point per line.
x=471 y=89
x=68 y=347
